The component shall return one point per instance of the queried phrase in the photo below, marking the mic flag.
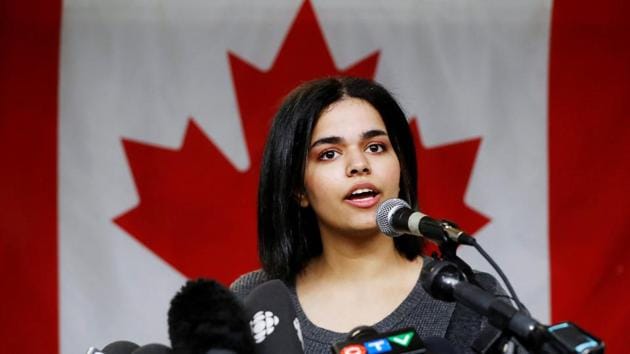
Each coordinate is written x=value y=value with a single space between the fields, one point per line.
x=403 y=341
x=273 y=320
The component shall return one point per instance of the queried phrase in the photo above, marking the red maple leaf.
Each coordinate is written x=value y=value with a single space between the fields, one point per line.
x=443 y=174
x=196 y=210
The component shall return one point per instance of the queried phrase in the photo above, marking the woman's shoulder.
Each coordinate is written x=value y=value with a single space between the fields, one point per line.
x=244 y=284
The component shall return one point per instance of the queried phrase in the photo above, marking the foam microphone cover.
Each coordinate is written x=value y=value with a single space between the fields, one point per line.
x=204 y=316
x=120 y=347
x=273 y=320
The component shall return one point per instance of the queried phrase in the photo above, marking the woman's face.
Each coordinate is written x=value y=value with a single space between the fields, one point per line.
x=351 y=167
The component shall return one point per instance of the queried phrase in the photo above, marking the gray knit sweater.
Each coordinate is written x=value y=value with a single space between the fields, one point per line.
x=428 y=316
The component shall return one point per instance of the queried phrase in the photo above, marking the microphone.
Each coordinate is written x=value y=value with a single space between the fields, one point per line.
x=205 y=317
x=366 y=339
x=117 y=347
x=153 y=348
x=126 y=347
x=395 y=217
x=273 y=320
x=444 y=281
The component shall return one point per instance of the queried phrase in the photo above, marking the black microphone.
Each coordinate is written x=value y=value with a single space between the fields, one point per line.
x=117 y=347
x=444 y=281
x=205 y=317
x=126 y=347
x=153 y=348
x=395 y=217
x=273 y=320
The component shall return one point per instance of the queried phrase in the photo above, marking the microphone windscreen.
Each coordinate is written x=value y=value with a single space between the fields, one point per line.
x=438 y=345
x=205 y=315
x=273 y=320
x=153 y=348
x=384 y=217
x=120 y=347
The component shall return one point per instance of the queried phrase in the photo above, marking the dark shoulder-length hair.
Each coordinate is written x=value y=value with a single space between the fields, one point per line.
x=288 y=235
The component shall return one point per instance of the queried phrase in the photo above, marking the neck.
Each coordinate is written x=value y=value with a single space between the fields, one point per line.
x=356 y=257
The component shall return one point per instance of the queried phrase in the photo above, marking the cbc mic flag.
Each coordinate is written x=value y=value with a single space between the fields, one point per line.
x=132 y=132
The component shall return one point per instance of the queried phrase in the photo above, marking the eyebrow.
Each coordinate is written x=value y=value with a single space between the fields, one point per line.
x=336 y=139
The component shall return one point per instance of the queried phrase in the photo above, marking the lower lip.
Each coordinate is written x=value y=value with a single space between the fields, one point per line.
x=365 y=202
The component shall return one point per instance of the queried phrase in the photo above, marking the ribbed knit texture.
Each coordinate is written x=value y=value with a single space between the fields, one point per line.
x=428 y=316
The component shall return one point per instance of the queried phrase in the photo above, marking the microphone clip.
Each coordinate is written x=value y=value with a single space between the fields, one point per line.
x=456 y=235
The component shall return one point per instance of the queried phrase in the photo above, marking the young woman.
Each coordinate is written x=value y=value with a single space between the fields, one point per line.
x=338 y=147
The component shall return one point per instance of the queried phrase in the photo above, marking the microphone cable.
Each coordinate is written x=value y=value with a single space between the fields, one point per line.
x=502 y=275
x=395 y=217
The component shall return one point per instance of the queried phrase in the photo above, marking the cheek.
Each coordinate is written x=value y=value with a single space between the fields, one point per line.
x=314 y=180
x=321 y=183
x=391 y=172
x=310 y=179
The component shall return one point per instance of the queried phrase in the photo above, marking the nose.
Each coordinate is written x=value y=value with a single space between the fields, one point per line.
x=357 y=165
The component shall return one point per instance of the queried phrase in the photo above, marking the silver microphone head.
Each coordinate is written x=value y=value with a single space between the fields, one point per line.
x=384 y=214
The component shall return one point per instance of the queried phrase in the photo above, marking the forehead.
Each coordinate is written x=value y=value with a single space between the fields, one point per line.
x=347 y=118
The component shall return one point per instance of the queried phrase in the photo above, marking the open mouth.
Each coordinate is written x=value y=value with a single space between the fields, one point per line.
x=362 y=193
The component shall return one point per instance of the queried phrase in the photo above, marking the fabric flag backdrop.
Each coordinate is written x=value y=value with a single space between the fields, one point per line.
x=132 y=133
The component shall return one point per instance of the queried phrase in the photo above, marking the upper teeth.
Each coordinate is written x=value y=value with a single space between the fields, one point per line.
x=364 y=190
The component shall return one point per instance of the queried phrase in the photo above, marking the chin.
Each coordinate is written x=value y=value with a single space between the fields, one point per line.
x=364 y=229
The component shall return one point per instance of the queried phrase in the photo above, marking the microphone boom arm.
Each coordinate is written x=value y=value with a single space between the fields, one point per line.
x=445 y=281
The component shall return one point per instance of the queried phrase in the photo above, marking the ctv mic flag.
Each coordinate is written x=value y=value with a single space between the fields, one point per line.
x=132 y=134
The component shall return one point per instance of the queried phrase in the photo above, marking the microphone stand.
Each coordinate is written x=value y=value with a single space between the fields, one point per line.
x=451 y=279
x=444 y=280
x=489 y=341
x=448 y=252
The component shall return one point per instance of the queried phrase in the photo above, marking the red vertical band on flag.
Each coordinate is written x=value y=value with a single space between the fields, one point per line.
x=589 y=156
x=29 y=67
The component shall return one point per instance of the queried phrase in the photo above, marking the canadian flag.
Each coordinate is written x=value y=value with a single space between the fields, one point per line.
x=132 y=132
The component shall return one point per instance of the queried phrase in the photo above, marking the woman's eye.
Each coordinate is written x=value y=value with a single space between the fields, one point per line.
x=328 y=155
x=375 y=148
